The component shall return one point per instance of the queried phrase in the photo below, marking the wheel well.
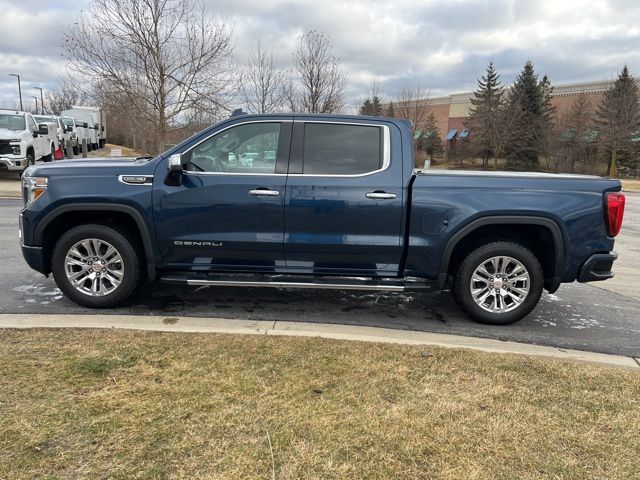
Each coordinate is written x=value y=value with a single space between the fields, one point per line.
x=68 y=220
x=537 y=238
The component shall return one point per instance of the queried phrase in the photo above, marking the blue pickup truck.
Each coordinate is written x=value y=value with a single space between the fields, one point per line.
x=308 y=201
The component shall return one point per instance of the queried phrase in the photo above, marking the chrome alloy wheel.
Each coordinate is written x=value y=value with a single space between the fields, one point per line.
x=500 y=284
x=94 y=267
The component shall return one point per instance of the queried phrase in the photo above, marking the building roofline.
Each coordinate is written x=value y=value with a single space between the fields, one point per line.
x=574 y=88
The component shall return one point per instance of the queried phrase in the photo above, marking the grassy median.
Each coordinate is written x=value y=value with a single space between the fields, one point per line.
x=113 y=404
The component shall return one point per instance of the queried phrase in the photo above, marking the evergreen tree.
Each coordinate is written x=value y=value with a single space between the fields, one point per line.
x=372 y=107
x=430 y=141
x=390 y=111
x=532 y=99
x=546 y=130
x=618 y=118
x=366 y=107
x=485 y=116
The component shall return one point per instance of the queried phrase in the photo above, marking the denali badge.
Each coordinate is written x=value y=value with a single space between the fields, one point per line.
x=196 y=243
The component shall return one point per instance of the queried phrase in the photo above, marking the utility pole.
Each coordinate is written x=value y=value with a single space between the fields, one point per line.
x=36 y=99
x=19 y=88
x=41 y=100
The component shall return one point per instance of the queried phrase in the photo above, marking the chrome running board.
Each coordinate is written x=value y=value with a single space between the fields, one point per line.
x=297 y=281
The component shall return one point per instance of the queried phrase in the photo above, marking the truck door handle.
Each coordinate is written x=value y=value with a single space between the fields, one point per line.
x=381 y=195
x=263 y=192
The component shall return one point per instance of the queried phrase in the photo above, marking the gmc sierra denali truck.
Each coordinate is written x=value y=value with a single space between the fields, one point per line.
x=307 y=201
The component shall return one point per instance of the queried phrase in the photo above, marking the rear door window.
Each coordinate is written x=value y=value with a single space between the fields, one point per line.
x=341 y=149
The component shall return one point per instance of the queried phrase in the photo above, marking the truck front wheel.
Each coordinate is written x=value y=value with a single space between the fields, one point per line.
x=95 y=266
x=499 y=283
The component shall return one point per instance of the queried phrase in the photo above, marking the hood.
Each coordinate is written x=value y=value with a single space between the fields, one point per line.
x=88 y=166
x=6 y=134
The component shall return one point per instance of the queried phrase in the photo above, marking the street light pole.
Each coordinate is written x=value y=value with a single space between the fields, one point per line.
x=36 y=99
x=41 y=100
x=19 y=88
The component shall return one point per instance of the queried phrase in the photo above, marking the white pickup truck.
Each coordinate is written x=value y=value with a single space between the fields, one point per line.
x=62 y=134
x=23 y=141
x=95 y=132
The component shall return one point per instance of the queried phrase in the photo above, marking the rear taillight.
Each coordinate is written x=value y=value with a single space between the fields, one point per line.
x=613 y=212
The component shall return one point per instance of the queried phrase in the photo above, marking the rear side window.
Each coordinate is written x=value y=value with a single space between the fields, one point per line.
x=340 y=149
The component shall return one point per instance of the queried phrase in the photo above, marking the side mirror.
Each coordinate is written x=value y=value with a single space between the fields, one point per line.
x=85 y=124
x=43 y=129
x=68 y=128
x=174 y=171
x=35 y=133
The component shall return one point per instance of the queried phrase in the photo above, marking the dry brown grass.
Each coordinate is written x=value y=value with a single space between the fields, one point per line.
x=630 y=185
x=98 y=404
x=126 y=152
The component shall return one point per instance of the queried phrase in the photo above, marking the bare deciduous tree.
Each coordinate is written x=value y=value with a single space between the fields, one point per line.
x=575 y=127
x=262 y=84
x=63 y=98
x=412 y=103
x=165 y=58
x=319 y=80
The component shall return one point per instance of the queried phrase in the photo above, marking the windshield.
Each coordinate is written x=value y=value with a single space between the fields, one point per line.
x=12 y=121
x=67 y=121
x=43 y=119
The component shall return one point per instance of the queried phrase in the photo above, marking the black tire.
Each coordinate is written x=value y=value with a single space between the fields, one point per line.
x=126 y=249
x=30 y=159
x=75 y=150
x=462 y=283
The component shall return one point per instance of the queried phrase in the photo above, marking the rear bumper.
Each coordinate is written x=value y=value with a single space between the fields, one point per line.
x=597 y=267
x=35 y=258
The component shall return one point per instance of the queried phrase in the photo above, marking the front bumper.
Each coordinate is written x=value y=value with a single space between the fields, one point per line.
x=597 y=267
x=35 y=258
x=13 y=164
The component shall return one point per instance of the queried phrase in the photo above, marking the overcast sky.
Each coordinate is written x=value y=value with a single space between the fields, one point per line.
x=445 y=44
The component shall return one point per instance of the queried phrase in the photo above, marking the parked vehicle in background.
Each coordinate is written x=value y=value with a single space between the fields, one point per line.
x=23 y=141
x=71 y=129
x=101 y=121
x=340 y=206
x=62 y=135
x=95 y=119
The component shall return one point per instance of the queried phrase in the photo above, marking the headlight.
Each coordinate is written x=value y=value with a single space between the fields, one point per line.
x=33 y=188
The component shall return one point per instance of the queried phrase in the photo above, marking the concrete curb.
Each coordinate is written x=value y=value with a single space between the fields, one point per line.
x=300 y=329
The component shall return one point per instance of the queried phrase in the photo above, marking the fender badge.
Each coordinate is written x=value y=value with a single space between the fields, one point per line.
x=196 y=243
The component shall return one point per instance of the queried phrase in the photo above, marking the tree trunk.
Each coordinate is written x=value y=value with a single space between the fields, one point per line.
x=613 y=167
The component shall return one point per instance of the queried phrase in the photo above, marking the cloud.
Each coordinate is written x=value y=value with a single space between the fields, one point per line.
x=443 y=44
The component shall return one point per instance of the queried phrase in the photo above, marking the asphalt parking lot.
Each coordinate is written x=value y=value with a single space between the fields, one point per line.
x=601 y=317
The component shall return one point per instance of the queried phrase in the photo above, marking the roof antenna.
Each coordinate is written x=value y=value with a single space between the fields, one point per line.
x=236 y=112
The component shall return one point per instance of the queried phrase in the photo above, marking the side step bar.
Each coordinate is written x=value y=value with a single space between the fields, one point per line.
x=297 y=281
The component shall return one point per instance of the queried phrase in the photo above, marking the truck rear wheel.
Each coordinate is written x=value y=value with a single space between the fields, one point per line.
x=95 y=266
x=499 y=283
x=48 y=158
